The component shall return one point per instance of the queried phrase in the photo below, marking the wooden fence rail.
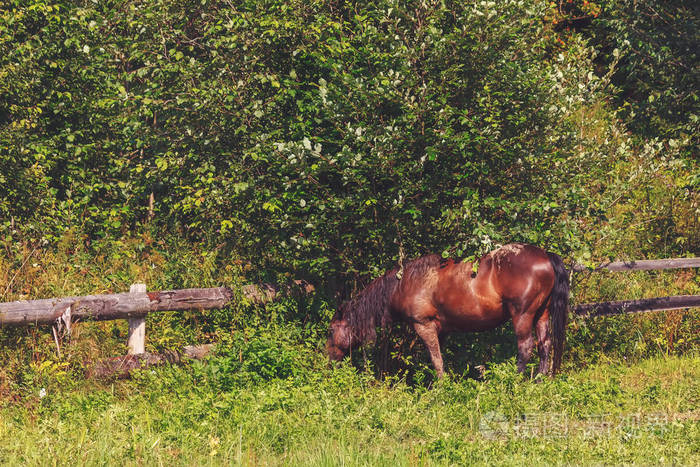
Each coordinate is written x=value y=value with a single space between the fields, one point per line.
x=111 y=306
x=634 y=306
x=643 y=265
x=135 y=303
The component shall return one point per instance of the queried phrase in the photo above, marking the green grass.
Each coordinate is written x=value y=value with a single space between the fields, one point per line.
x=629 y=393
x=321 y=416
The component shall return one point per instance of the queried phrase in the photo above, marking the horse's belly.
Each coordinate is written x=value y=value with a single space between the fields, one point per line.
x=474 y=318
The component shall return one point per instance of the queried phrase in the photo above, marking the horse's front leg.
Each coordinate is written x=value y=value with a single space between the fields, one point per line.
x=428 y=332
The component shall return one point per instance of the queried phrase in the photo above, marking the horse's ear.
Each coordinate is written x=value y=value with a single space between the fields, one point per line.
x=340 y=311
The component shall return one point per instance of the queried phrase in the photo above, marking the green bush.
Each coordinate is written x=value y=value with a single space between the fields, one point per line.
x=318 y=137
x=259 y=358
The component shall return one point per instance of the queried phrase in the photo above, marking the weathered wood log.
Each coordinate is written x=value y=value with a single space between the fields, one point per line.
x=112 y=306
x=644 y=265
x=634 y=306
x=135 y=305
x=261 y=293
x=264 y=293
x=121 y=367
x=198 y=351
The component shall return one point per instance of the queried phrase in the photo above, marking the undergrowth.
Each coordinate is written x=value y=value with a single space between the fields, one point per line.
x=312 y=415
x=628 y=392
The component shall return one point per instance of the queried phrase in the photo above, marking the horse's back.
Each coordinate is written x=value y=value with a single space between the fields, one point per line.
x=450 y=292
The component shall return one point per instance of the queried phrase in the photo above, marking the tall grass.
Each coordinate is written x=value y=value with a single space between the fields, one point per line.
x=645 y=413
x=628 y=394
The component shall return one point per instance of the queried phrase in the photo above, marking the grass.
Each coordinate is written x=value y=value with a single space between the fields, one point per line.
x=629 y=393
x=644 y=413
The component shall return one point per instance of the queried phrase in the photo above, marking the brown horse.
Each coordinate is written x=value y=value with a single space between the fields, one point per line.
x=520 y=282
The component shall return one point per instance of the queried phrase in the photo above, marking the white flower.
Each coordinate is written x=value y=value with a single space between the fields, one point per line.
x=42 y=393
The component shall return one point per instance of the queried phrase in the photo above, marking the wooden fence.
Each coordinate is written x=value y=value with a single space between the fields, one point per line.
x=647 y=304
x=644 y=265
x=135 y=304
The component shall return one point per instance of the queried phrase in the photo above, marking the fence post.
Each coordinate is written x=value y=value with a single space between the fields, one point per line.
x=137 y=326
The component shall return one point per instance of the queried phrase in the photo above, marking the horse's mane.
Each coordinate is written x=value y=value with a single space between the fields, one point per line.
x=370 y=308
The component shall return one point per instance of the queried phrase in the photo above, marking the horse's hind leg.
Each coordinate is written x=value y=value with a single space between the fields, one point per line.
x=428 y=332
x=522 y=322
x=544 y=342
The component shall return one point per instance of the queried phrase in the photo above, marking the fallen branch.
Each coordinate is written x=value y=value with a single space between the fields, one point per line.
x=263 y=293
x=121 y=367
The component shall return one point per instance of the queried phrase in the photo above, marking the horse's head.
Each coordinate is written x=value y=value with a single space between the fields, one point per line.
x=340 y=339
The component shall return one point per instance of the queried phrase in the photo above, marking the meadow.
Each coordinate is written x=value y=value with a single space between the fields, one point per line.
x=612 y=413
x=628 y=393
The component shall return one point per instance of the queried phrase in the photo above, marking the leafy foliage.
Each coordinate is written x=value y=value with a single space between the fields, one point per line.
x=316 y=137
x=657 y=74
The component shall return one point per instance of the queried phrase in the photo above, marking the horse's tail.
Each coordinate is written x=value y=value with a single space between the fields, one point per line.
x=558 y=309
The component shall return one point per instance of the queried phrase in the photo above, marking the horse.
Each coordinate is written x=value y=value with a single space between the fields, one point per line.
x=437 y=296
